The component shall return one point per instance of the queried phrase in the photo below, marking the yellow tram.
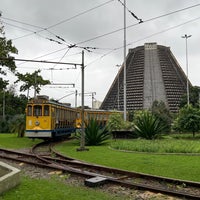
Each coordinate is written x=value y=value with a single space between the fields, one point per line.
x=48 y=119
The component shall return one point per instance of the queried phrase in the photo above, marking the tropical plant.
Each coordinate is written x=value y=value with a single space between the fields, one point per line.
x=6 y=49
x=148 y=126
x=18 y=125
x=160 y=110
x=4 y=128
x=94 y=134
x=31 y=80
x=115 y=122
x=188 y=119
x=193 y=97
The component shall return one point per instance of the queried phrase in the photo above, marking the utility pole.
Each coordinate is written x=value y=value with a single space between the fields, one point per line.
x=118 y=88
x=93 y=93
x=124 y=60
x=4 y=104
x=35 y=85
x=82 y=142
x=188 y=93
x=76 y=93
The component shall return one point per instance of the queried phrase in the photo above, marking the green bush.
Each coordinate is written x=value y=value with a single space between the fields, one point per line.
x=18 y=125
x=117 y=123
x=148 y=126
x=94 y=133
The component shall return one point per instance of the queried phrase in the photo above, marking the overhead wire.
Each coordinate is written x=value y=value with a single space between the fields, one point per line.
x=135 y=24
x=109 y=33
x=139 y=19
x=63 y=21
x=149 y=36
x=112 y=32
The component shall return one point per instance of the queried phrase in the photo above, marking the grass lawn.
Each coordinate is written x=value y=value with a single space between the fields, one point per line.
x=41 y=189
x=184 y=167
x=176 y=166
x=11 y=141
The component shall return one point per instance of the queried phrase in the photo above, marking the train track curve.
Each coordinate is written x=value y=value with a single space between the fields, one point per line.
x=44 y=155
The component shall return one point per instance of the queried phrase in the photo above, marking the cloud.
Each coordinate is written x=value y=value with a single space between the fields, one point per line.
x=93 y=23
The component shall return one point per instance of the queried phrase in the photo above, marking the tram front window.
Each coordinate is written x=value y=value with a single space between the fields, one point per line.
x=29 y=111
x=46 y=110
x=37 y=110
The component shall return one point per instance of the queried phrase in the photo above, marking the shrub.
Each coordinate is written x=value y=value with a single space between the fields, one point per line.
x=188 y=119
x=18 y=125
x=160 y=110
x=148 y=126
x=94 y=134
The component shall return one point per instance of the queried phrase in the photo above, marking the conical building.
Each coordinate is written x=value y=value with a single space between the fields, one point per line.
x=152 y=73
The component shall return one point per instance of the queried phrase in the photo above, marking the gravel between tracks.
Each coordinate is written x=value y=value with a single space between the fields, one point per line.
x=118 y=191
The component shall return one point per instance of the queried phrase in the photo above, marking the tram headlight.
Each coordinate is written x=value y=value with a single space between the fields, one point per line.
x=37 y=123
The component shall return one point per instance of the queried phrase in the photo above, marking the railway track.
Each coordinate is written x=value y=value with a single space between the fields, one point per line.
x=44 y=155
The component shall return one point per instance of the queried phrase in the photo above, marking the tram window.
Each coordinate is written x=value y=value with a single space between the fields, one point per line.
x=46 y=110
x=29 y=111
x=37 y=110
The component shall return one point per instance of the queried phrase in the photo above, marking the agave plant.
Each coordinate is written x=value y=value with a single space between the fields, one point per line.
x=94 y=134
x=18 y=125
x=148 y=126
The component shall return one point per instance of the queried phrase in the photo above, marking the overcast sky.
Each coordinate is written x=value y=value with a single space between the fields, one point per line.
x=34 y=24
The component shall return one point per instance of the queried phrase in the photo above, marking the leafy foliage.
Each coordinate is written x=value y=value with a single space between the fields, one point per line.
x=117 y=123
x=31 y=80
x=148 y=126
x=6 y=49
x=188 y=119
x=194 y=97
x=160 y=110
x=94 y=134
x=13 y=104
x=18 y=125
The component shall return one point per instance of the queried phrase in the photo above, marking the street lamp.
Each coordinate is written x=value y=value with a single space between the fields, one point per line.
x=124 y=60
x=188 y=95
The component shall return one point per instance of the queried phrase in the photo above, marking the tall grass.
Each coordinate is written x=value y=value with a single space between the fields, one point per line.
x=158 y=146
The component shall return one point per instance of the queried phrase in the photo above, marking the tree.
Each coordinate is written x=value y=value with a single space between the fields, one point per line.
x=6 y=60
x=31 y=80
x=115 y=122
x=188 y=119
x=194 y=97
x=14 y=104
x=160 y=110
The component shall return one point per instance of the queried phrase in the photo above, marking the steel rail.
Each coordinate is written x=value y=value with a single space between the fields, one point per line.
x=53 y=163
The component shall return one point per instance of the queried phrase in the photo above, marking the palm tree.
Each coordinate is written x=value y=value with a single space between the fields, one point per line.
x=31 y=80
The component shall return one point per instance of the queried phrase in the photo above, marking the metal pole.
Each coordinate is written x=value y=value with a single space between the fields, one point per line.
x=82 y=142
x=35 y=85
x=82 y=106
x=188 y=93
x=93 y=99
x=4 y=104
x=118 y=88
x=76 y=98
x=124 y=60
